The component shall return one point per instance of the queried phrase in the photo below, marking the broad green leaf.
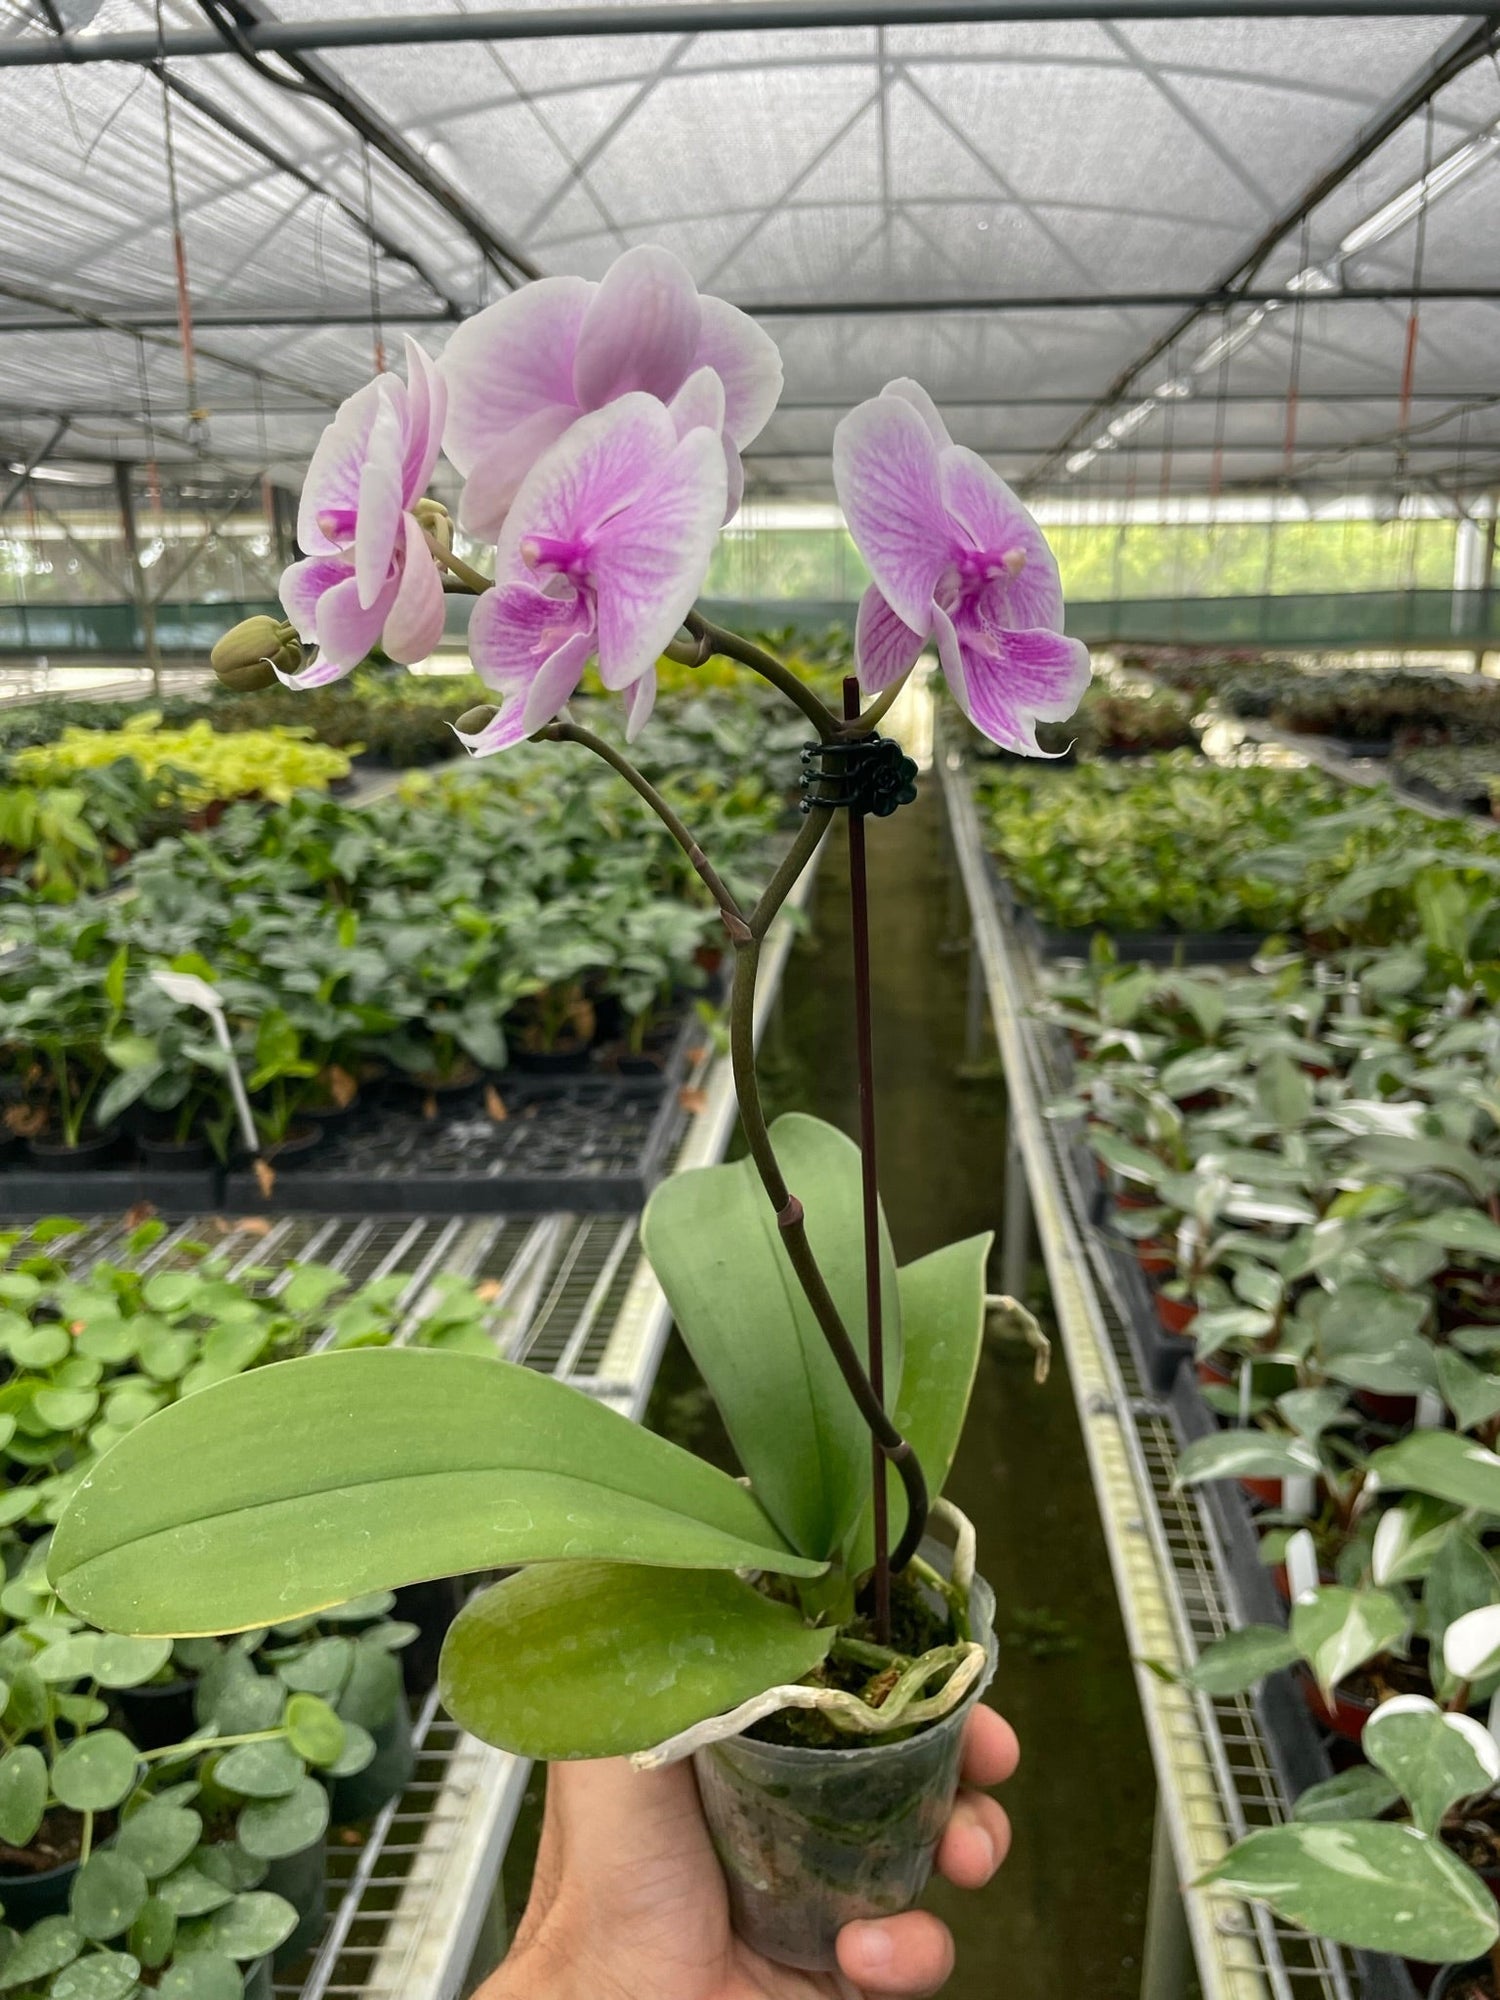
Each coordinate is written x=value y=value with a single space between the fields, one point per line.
x=189 y=1892
x=1371 y=1338
x=312 y=1481
x=202 y=1975
x=95 y=1772
x=712 y=1239
x=261 y=1770
x=1249 y=1454
x=1433 y=1759
x=109 y=1893
x=23 y=1794
x=153 y=1933
x=1340 y=1629
x=1372 y=1886
x=159 y=1838
x=1472 y=1395
x=46 y=1948
x=602 y=1659
x=313 y=1729
x=1283 y=1092
x=1408 y=1538
x=1461 y=1579
x=1462 y=1229
x=1442 y=1463
x=102 y=1975
x=942 y=1325
x=1241 y=1659
x=272 y=1828
x=1471 y=1644
x=246 y=1928
x=1358 y=1793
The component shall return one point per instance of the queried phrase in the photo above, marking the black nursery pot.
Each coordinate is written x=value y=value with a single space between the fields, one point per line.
x=56 y=1156
x=303 y=1880
x=175 y=1155
x=27 y=1898
x=159 y=1712
x=387 y=1774
x=1451 y=1977
x=432 y=1608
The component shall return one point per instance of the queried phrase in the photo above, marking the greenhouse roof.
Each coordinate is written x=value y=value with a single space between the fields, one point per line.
x=1127 y=254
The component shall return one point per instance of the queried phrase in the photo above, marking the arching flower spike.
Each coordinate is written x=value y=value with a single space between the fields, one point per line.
x=604 y=551
x=369 y=575
x=957 y=559
x=527 y=367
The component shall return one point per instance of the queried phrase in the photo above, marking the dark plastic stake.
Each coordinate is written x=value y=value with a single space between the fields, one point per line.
x=859 y=914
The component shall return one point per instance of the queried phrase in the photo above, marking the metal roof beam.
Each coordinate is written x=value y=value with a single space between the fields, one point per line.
x=676 y=17
x=1472 y=44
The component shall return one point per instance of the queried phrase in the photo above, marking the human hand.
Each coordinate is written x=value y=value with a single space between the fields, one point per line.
x=628 y=1903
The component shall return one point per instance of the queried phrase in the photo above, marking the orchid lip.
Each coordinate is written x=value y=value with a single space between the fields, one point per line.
x=537 y=550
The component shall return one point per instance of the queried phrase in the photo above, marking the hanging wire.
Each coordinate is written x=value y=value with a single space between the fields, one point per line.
x=1216 y=463
x=376 y=323
x=197 y=416
x=1294 y=377
x=148 y=418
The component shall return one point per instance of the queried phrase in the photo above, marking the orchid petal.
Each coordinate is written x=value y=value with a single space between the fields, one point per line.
x=746 y=360
x=495 y=481
x=379 y=518
x=978 y=499
x=885 y=470
x=427 y=404
x=513 y=629
x=556 y=680
x=734 y=469
x=504 y=729
x=302 y=587
x=1045 y=671
x=913 y=393
x=640 y=331
x=649 y=562
x=509 y=362
x=640 y=699
x=319 y=672
x=595 y=469
x=415 y=623
x=347 y=630
x=700 y=401
x=885 y=647
x=331 y=487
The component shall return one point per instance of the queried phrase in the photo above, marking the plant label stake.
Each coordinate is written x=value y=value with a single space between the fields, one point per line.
x=188 y=990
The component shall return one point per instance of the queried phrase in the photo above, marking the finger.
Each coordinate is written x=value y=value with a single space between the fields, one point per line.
x=911 y=1956
x=991 y=1752
x=975 y=1842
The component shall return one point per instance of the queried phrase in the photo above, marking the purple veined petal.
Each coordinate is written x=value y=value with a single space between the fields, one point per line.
x=348 y=630
x=1045 y=673
x=995 y=520
x=332 y=482
x=973 y=685
x=415 y=623
x=509 y=362
x=514 y=628
x=648 y=563
x=378 y=525
x=493 y=484
x=317 y=673
x=699 y=402
x=734 y=469
x=640 y=699
x=913 y=393
x=427 y=405
x=885 y=646
x=596 y=468
x=640 y=331
x=302 y=587
x=746 y=360
x=556 y=679
x=504 y=729
x=885 y=471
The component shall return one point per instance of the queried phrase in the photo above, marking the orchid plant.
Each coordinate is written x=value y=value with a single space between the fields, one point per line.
x=599 y=430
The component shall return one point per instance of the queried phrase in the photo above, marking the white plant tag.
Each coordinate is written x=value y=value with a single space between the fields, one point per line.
x=1301 y=1567
x=1298 y=1494
x=188 y=990
x=1430 y=1411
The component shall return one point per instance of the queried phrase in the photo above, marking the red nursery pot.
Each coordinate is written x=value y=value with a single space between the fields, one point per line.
x=1266 y=1491
x=1400 y=1411
x=1155 y=1258
x=1348 y=1713
x=1176 y=1315
x=1212 y=1374
x=1135 y=1201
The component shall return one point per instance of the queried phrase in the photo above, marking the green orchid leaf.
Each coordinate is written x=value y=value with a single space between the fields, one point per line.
x=603 y=1659
x=1374 y=1887
x=309 y=1482
x=1241 y=1660
x=1359 y=1793
x=1340 y=1629
x=942 y=1324
x=713 y=1242
x=1433 y=1759
x=1249 y=1454
x=1444 y=1464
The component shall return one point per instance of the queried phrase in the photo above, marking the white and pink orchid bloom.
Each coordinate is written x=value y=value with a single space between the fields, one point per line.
x=604 y=550
x=520 y=372
x=369 y=576
x=957 y=559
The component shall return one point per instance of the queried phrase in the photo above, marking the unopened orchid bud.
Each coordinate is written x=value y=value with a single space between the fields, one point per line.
x=474 y=719
x=436 y=523
x=247 y=657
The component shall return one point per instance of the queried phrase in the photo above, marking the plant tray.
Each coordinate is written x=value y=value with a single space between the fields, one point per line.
x=27 y=1191
x=1149 y=947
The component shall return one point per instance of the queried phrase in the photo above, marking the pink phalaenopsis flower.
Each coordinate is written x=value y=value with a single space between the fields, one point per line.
x=527 y=367
x=955 y=558
x=369 y=575
x=603 y=551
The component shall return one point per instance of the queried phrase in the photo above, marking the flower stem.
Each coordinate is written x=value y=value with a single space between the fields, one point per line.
x=469 y=578
x=733 y=647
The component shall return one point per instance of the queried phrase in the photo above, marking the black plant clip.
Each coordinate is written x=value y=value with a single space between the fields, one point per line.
x=865 y=774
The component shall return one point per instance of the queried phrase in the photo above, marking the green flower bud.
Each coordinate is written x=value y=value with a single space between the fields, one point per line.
x=474 y=719
x=436 y=523
x=246 y=658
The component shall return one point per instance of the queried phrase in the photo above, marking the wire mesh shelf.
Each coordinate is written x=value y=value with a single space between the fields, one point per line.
x=1217 y=1775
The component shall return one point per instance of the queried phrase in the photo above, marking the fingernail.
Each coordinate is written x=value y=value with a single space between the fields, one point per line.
x=873 y=1946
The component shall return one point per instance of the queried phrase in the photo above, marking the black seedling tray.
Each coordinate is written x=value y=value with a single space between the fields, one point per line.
x=26 y=1190
x=1147 y=947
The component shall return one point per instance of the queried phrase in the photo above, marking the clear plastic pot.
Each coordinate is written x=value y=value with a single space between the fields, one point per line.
x=810 y=1840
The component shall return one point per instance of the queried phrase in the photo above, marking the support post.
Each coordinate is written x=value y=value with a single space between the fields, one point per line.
x=145 y=604
x=1015 y=1233
x=1167 y=1959
x=1486 y=585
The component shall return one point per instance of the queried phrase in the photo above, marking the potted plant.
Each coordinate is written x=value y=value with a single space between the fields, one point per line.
x=801 y=1634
